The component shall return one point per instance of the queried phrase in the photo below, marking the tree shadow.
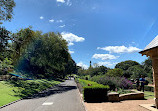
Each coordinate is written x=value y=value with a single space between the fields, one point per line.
x=55 y=90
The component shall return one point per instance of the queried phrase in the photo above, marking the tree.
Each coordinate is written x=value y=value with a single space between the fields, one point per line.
x=4 y=45
x=126 y=64
x=6 y=10
x=43 y=55
x=147 y=66
x=115 y=72
x=136 y=72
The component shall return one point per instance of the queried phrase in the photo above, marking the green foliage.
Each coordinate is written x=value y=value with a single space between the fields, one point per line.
x=126 y=64
x=113 y=82
x=42 y=55
x=5 y=47
x=86 y=82
x=135 y=72
x=147 y=66
x=5 y=65
x=7 y=93
x=6 y=9
x=99 y=70
x=115 y=72
x=95 y=93
x=123 y=91
x=30 y=87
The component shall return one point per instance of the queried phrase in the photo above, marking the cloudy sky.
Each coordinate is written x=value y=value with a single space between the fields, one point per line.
x=103 y=31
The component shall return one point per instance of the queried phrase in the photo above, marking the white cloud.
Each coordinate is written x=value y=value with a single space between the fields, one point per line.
x=61 y=26
x=41 y=17
x=70 y=38
x=120 y=49
x=70 y=44
x=108 y=64
x=81 y=64
x=66 y=2
x=59 y=21
x=61 y=1
x=104 y=56
x=71 y=52
x=52 y=20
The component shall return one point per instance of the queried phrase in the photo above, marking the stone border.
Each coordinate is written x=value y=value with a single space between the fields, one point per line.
x=10 y=103
x=81 y=97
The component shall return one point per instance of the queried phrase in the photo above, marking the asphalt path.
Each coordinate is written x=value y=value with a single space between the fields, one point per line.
x=64 y=97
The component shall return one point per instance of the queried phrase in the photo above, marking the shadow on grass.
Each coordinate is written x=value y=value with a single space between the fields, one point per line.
x=55 y=90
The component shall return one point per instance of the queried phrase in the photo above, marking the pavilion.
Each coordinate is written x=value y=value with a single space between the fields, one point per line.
x=152 y=50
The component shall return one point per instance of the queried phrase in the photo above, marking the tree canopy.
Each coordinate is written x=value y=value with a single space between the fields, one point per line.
x=126 y=64
x=6 y=10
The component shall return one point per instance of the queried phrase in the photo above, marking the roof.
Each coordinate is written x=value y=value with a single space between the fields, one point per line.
x=151 y=45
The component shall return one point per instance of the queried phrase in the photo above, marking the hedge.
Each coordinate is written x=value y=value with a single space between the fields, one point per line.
x=146 y=88
x=96 y=93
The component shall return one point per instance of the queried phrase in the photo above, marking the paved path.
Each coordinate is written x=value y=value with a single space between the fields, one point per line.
x=64 y=97
x=127 y=105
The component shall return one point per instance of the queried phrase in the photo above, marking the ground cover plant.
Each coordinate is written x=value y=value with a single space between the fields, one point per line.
x=30 y=87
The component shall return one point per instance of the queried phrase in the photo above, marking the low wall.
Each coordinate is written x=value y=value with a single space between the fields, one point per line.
x=115 y=97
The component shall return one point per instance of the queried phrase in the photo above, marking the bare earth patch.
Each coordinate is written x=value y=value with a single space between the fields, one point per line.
x=128 y=105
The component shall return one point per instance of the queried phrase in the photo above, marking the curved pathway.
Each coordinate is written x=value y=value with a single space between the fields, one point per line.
x=64 y=97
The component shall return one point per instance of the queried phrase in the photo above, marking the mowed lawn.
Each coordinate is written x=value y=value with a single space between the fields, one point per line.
x=7 y=94
x=148 y=95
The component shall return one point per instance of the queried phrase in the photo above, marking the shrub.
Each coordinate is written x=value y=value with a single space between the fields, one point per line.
x=113 y=82
x=30 y=87
x=96 y=93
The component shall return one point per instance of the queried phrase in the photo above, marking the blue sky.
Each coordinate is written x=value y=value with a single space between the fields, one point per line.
x=103 y=31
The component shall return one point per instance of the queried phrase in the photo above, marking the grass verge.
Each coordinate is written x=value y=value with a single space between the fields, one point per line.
x=14 y=90
x=7 y=93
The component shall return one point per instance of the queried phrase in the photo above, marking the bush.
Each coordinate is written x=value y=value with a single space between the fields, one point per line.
x=113 y=82
x=96 y=93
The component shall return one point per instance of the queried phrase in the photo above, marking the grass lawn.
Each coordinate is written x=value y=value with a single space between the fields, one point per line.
x=148 y=95
x=7 y=93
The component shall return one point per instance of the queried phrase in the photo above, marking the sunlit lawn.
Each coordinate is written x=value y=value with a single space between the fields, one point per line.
x=7 y=94
x=148 y=95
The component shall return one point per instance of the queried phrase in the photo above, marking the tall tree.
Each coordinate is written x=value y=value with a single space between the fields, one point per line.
x=4 y=45
x=126 y=64
x=6 y=10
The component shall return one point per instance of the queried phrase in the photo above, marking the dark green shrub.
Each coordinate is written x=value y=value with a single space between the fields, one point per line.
x=96 y=93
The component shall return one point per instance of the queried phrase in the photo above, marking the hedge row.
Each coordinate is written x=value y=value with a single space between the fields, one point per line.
x=146 y=88
x=94 y=92
x=97 y=93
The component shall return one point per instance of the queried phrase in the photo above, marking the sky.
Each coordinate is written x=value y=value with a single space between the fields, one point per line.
x=105 y=32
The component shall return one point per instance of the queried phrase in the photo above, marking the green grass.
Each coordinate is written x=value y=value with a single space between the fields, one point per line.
x=148 y=95
x=7 y=94
x=22 y=89
x=86 y=82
